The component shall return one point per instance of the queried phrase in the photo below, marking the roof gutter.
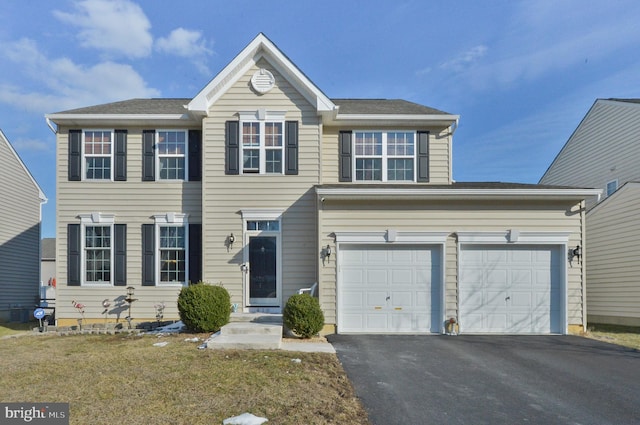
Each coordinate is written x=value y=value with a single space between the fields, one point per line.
x=49 y=123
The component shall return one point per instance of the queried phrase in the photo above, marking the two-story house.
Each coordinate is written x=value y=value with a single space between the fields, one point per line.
x=21 y=202
x=603 y=152
x=265 y=185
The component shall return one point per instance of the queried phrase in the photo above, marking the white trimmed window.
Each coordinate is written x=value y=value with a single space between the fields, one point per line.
x=172 y=244
x=171 y=148
x=97 y=248
x=97 y=148
x=262 y=142
x=384 y=155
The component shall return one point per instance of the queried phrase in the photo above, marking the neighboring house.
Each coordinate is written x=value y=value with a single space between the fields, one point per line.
x=603 y=152
x=265 y=185
x=21 y=202
x=48 y=272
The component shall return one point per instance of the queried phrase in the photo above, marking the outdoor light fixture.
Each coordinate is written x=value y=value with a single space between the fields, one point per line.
x=328 y=251
x=232 y=239
x=575 y=253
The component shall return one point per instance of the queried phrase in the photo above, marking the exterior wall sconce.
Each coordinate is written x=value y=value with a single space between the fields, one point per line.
x=231 y=239
x=326 y=254
x=575 y=253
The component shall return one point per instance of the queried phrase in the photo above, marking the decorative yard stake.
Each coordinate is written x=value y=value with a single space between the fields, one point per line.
x=80 y=308
x=159 y=311
x=105 y=304
x=130 y=300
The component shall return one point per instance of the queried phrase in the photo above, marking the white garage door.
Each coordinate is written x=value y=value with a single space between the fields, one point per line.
x=384 y=289
x=513 y=289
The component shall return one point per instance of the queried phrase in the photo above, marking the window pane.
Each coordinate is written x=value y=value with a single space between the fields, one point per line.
x=97 y=143
x=98 y=168
x=273 y=134
x=172 y=168
x=171 y=143
x=172 y=237
x=97 y=253
x=250 y=134
x=368 y=143
x=172 y=266
x=400 y=169
x=368 y=169
x=273 y=161
x=400 y=144
x=263 y=225
x=251 y=160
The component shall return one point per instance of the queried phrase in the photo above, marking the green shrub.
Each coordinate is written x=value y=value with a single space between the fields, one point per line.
x=302 y=315
x=204 y=308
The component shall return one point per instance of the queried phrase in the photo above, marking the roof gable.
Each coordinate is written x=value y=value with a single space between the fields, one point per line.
x=41 y=195
x=259 y=48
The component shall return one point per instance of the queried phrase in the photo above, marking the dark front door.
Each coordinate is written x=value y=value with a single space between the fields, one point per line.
x=263 y=273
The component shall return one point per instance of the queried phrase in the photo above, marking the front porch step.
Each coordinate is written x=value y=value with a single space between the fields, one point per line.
x=246 y=331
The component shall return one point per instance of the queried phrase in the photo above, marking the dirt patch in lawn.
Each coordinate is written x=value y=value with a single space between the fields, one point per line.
x=111 y=379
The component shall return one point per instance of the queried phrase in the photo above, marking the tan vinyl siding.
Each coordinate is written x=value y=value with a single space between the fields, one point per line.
x=450 y=217
x=603 y=148
x=134 y=202
x=19 y=234
x=439 y=152
x=613 y=286
x=225 y=196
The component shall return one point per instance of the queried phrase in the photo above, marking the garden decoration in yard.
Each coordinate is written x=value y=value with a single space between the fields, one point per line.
x=159 y=311
x=130 y=300
x=80 y=307
x=106 y=304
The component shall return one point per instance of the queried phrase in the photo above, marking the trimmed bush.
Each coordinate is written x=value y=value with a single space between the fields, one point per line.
x=203 y=307
x=303 y=315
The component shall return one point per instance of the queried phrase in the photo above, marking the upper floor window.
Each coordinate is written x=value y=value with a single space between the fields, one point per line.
x=97 y=149
x=384 y=156
x=171 y=149
x=262 y=142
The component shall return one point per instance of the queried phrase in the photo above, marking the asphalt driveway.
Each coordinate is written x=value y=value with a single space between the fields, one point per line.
x=482 y=379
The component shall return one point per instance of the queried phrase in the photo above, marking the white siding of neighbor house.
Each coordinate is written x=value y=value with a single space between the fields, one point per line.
x=603 y=148
x=225 y=196
x=613 y=267
x=439 y=151
x=133 y=202
x=19 y=234
x=450 y=217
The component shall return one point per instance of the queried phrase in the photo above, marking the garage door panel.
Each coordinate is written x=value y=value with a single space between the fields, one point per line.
x=400 y=286
x=520 y=292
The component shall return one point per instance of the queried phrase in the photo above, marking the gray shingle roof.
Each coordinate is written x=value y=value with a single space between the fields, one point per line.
x=135 y=107
x=48 y=247
x=625 y=100
x=176 y=106
x=383 y=107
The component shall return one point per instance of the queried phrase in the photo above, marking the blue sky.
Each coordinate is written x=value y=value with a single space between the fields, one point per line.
x=521 y=74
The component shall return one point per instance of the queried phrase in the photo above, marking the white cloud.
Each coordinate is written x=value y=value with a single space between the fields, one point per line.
x=117 y=27
x=31 y=145
x=188 y=44
x=465 y=60
x=62 y=84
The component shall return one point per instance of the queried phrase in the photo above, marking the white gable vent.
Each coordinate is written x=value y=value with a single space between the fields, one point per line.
x=262 y=81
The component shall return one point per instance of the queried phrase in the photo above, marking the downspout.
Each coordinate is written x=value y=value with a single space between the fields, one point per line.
x=583 y=269
x=454 y=127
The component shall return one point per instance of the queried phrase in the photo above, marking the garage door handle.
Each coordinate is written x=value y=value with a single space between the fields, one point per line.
x=388 y=298
x=507 y=299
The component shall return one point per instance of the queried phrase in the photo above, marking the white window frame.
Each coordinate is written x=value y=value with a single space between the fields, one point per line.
x=262 y=117
x=85 y=155
x=384 y=157
x=96 y=219
x=185 y=155
x=612 y=182
x=171 y=220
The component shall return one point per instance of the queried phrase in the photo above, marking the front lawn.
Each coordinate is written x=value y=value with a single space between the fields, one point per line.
x=111 y=379
x=622 y=335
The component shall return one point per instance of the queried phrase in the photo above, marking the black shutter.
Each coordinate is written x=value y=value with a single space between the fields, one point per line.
x=148 y=155
x=73 y=254
x=423 y=156
x=120 y=170
x=195 y=155
x=344 y=162
x=291 y=147
x=148 y=255
x=195 y=253
x=75 y=155
x=232 y=147
x=120 y=255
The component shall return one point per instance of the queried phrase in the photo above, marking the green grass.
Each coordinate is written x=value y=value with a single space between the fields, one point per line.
x=111 y=379
x=16 y=328
x=621 y=335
